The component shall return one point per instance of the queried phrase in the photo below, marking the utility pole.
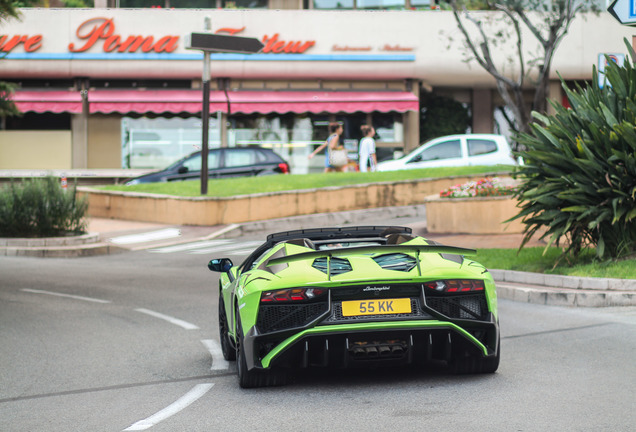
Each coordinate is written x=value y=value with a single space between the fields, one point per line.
x=205 y=113
x=208 y=42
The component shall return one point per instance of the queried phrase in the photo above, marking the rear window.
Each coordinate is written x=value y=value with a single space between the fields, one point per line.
x=268 y=156
x=478 y=147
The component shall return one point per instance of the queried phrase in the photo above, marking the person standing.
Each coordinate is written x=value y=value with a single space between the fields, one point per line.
x=367 y=160
x=332 y=143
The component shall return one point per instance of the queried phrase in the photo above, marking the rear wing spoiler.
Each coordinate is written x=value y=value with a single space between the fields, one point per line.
x=331 y=253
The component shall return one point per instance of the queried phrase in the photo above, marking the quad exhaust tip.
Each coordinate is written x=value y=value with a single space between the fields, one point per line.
x=378 y=349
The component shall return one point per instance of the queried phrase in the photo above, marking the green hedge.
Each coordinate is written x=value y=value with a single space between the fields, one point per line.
x=40 y=208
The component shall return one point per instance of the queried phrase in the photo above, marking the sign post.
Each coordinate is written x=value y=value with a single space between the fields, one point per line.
x=208 y=42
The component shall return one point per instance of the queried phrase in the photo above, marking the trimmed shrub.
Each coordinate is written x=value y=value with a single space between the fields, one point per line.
x=40 y=208
x=579 y=177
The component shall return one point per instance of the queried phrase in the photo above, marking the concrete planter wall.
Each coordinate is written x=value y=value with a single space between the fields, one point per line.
x=483 y=215
x=249 y=208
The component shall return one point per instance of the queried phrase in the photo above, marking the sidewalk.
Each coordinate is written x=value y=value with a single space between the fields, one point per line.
x=108 y=236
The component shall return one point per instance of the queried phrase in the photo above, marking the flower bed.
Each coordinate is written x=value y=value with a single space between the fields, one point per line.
x=485 y=187
x=476 y=207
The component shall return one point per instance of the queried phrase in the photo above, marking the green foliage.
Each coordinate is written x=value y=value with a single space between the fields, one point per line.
x=442 y=116
x=7 y=107
x=579 y=178
x=40 y=208
x=9 y=9
x=79 y=3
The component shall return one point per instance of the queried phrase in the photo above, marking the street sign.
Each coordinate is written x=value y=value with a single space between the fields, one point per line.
x=624 y=11
x=223 y=43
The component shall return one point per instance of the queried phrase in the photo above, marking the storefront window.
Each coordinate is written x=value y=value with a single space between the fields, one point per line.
x=380 y=4
x=333 y=4
x=154 y=143
x=245 y=4
x=151 y=143
x=194 y=4
x=421 y=4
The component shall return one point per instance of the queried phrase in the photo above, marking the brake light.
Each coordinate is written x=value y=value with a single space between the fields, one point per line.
x=292 y=295
x=283 y=167
x=456 y=285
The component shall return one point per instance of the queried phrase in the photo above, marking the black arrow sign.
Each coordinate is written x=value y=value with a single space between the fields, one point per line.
x=224 y=43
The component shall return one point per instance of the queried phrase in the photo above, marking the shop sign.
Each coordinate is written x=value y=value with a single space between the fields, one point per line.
x=101 y=32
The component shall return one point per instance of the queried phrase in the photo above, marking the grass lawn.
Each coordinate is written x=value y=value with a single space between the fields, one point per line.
x=279 y=183
x=533 y=260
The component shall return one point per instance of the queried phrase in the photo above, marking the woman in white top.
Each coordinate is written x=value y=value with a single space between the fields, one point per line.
x=368 y=160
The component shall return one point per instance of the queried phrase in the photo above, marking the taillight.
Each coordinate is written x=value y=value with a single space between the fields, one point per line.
x=283 y=167
x=456 y=285
x=292 y=295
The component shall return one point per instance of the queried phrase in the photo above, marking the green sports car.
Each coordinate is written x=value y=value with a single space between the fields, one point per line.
x=355 y=297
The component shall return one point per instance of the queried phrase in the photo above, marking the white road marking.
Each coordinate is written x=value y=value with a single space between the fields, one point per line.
x=188 y=246
x=235 y=248
x=90 y=299
x=146 y=237
x=183 y=402
x=186 y=325
x=218 y=362
x=210 y=247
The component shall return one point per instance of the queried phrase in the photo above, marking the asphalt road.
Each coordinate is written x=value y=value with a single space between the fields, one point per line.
x=129 y=342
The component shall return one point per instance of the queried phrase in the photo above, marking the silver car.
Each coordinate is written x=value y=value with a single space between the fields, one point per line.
x=455 y=150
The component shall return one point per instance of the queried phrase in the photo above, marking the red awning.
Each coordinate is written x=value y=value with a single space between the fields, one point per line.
x=263 y=102
x=55 y=101
x=154 y=101
x=189 y=101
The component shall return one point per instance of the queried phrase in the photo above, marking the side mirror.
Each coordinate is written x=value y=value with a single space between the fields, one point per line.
x=221 y=265
x=182 y=169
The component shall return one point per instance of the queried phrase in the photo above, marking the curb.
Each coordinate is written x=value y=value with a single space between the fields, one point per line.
x=545 y=295
x=324 y=219
x=57 y=247
x=84 y=250
x=564 y=282
x=558 y=290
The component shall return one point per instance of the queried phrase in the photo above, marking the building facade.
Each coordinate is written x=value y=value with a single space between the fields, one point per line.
x=119 y=88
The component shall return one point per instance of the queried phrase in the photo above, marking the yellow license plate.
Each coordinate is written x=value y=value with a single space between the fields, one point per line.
x=376 y=307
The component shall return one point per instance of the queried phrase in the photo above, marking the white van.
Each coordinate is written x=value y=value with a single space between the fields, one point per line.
x=455 y=150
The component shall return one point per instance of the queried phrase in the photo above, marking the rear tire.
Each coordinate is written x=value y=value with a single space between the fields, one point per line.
x=229 y=353
x=476 y=365
x=255 y=377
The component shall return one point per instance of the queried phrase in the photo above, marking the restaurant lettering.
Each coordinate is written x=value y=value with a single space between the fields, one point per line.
x=273 y=44
x=30 y=43
x=101 y=33
x=95 y=30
